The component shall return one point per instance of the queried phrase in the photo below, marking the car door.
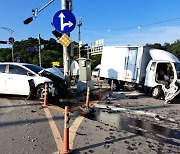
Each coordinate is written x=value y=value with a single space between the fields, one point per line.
x=17 y=80
x=2 y=78
x=150 y=79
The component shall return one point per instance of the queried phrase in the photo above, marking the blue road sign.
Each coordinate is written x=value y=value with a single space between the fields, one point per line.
x=64 y=21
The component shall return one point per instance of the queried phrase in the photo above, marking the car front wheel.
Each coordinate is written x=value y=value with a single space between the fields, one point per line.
x=40 y=92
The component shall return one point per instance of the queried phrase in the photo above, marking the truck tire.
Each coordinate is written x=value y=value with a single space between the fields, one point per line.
x=157 y=92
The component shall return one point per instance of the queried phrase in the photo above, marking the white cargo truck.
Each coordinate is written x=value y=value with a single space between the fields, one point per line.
x=157 y=71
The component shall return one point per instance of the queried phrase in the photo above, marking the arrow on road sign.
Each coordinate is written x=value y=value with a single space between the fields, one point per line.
x=69 y=23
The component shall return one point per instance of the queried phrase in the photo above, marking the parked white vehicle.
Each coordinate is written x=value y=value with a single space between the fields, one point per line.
x=130 y=66
x=96 y=71
x=27 y=79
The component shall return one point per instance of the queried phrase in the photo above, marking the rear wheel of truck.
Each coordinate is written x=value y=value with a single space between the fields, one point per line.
x=157 y=92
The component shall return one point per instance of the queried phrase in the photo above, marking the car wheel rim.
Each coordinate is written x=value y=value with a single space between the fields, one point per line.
x=155 y=92
x=40 y=93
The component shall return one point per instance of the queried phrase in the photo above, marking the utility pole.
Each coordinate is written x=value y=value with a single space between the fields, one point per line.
x=66 y=5
x=39 y=38
x=12 y=49
x=79 y=24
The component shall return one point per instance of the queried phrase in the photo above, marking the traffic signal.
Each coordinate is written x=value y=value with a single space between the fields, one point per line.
x=11 y=40
x=3 y=42
x=28 y=20
x=56 y=34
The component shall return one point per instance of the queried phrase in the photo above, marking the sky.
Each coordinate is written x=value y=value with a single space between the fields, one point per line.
x=117 y=22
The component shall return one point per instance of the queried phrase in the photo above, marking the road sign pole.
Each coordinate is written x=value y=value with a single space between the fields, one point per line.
x=66 y=58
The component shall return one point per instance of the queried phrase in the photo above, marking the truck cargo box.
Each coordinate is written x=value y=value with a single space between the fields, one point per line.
x=124 y=63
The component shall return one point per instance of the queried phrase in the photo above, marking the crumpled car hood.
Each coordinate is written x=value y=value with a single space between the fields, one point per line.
x=54 y=71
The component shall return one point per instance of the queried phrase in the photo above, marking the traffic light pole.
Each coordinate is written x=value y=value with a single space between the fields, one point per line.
x=66 y=57
x=12 y=49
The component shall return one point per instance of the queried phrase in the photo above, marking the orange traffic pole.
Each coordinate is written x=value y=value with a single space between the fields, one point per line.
x=97 y=80
x=87 y=97
x=111 y=90
x=100 y=92
x=46 y=95
x=66 y=149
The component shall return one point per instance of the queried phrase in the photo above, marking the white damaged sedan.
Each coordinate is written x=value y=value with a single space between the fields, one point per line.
x=28 y=79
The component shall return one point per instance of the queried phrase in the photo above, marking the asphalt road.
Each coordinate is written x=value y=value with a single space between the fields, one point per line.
x=128 y=122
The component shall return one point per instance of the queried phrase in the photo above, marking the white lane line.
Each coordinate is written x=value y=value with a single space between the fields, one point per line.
x=56 y=134
x=73 y=129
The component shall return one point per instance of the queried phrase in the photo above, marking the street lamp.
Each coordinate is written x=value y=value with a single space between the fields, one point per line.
x=11 y=40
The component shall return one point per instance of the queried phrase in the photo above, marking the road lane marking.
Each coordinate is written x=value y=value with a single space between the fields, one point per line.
x=73 y=129
x=55 y=131
x=56 y=108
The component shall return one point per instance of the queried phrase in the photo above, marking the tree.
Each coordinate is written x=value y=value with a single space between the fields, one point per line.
x=175 y=48
x=53 y=51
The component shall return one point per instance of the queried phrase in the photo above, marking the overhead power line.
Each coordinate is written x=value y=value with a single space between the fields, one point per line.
x=135 y=27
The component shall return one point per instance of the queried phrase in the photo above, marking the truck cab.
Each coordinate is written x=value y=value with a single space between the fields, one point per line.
x=163 y=75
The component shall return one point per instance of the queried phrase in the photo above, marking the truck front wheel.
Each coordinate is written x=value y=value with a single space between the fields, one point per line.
x=157 y=92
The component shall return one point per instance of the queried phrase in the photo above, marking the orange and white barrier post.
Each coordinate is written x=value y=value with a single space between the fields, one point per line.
x=66 y=149
x=87 y=97
x=100 y=92
x=97 y=80
x=111 y=90
x=45 y=95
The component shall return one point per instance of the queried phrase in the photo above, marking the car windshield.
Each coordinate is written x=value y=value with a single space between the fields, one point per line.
x=177 y=66
x=34 y=68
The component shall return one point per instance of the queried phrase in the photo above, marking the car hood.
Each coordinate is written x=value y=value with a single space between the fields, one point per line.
x=53 y=71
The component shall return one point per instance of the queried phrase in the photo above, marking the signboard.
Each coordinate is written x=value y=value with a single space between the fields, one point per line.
x=97 y=47
x=65 y=40
x=64 y=21
x=55 y=63
x=31 y=49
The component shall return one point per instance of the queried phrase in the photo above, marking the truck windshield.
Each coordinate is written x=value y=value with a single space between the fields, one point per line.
x=177 y=66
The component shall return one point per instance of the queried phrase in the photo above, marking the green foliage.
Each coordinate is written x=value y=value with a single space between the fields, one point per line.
x=95 y=60
x=175 y=48
x=49 y=56
x=5 y=54
x=53 y=51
